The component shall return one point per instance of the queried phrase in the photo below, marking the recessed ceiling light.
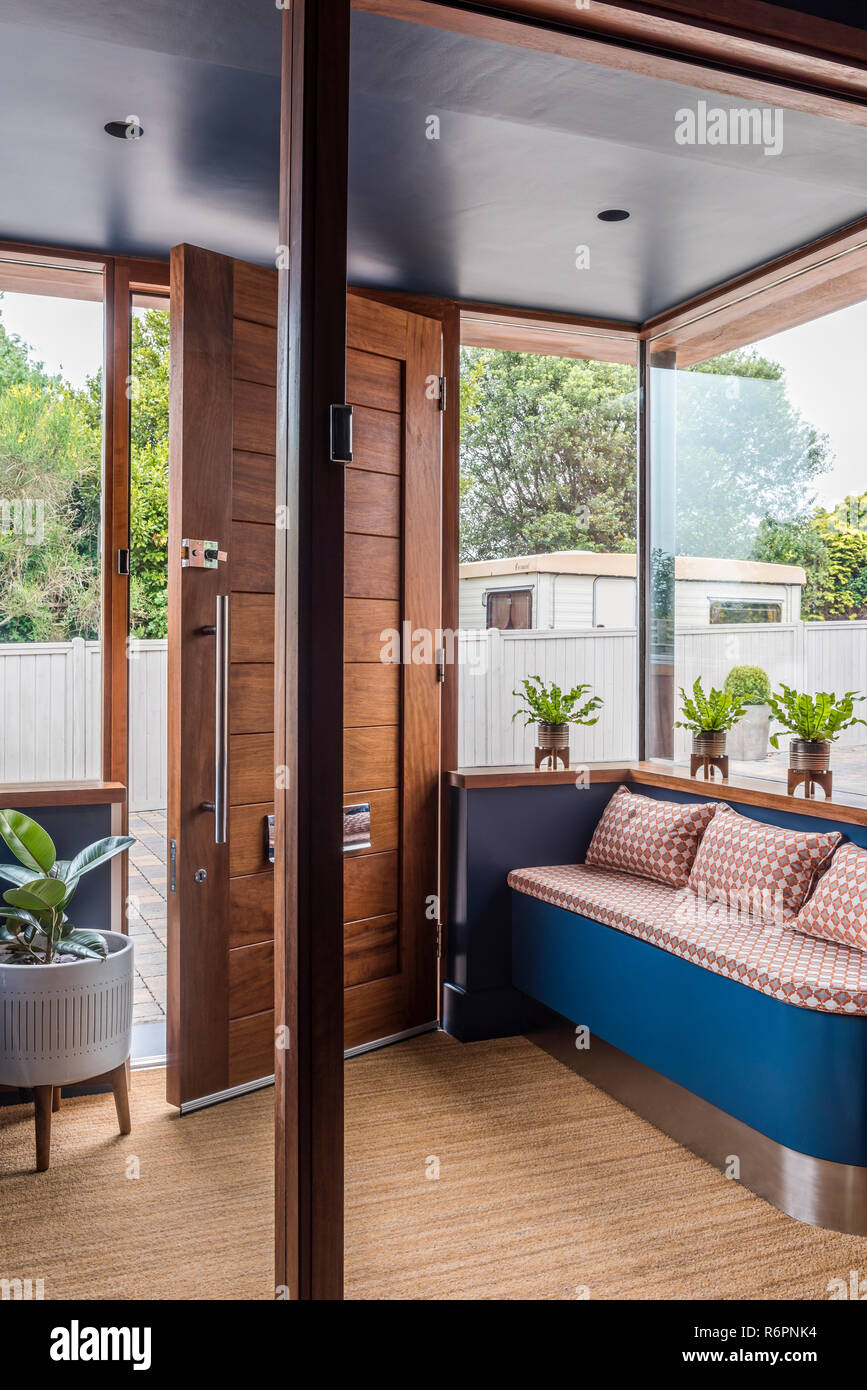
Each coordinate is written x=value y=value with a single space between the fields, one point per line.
x=130 y=129
x=613 y=215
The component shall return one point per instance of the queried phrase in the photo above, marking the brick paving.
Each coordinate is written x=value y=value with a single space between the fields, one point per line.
x=147 y=914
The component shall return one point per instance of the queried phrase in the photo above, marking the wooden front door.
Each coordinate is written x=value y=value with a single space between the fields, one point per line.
x=220 y=1017
x=391 y=688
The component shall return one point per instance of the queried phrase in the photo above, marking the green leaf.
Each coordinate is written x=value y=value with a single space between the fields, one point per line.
x=87 y=945
x=16 y=873
x=28 y=841
x=48 y=892
x=97 y=853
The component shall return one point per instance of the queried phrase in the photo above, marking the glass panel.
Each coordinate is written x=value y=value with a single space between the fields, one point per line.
x=147 y=647
x=51 y=444
x=759 y=541
x=547 y=547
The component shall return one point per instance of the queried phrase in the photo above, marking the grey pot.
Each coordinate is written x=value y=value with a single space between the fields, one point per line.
x=748 y=740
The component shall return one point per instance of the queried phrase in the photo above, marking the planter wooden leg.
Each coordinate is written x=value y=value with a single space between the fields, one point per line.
x=121 y=1098
x=42 y=1097
x=55 y=1099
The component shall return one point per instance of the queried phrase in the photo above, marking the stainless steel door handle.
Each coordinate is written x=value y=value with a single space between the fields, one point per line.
x=221 y=723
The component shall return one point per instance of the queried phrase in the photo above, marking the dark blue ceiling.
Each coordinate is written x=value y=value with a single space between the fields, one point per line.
x=531 y=147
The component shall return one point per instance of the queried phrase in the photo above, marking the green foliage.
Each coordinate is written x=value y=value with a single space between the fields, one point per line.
x=149 y=474
x=50 y=479
x=547 y=454
x=818 y=718
x=749 y=684
x=34 y=928
x=744 y=452
x=548 y=704
x=708 y=714
x=832 y=548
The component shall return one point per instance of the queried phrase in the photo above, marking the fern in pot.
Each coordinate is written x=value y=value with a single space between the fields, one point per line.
x=65 y=991
x=814 y=722
x=552 y=710
x=709 y=717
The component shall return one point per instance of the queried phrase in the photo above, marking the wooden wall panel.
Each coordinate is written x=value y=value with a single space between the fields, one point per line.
x=371 y=950
x=371 y=694
x=377 y=440
x=371 y=567
x=251 y=979
x=371 y=757
x=373 y=381
x=370 y=886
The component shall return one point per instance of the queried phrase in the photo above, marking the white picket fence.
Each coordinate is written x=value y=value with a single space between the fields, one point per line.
x=51 y=719
x=50 y=724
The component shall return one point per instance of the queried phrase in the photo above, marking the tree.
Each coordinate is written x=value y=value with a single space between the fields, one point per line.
x=832 y=548
x=744 y=454
x=149 y=473
x=547 y=454
x=50 y=462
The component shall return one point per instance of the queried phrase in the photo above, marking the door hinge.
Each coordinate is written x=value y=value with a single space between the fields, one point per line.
x=123 y=562
x=440 y=663
x=441 y=399
x=440 y=940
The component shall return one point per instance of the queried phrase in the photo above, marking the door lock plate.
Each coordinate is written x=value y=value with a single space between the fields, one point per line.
x=201 y=555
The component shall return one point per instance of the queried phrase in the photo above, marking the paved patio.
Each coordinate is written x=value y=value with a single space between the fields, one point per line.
x=147 y=914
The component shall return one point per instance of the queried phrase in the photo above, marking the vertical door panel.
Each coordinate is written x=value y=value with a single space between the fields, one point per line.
x=222 y=488
x=391 y=705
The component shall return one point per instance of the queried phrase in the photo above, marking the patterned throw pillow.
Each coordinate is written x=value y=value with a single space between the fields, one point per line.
x=656 y=839
x=764 y=870
x=837 y=911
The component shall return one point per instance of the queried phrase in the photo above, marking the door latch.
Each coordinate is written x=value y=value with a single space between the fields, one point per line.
x=340 y=434
x=269 y=838
x=201 y=555
x=440 y=663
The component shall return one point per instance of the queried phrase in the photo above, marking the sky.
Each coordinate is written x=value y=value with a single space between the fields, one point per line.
x=825 y=363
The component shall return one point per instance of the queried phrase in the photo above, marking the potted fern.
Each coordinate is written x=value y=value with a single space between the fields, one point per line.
x=552 y=710
x=65 y=991
x=814 y=722
x=709 y=718
x=748 y=740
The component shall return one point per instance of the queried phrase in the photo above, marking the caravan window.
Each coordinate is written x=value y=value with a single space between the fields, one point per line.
x=749 y=610
x=509 y=609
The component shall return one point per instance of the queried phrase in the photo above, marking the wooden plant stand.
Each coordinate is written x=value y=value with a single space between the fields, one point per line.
x=810 y=780
x=542 y=754
x=47 y=1099
x=707 y=764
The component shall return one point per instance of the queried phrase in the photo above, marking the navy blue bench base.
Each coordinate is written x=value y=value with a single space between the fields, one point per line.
x=781 y=1087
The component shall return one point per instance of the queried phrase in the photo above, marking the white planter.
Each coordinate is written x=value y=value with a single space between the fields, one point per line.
x=67 y=1022
x=748 y=740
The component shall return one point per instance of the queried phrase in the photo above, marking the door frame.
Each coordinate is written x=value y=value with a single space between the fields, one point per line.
x=757 y=50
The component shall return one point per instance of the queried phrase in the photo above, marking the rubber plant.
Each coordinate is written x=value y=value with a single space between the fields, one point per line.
x=34 y=926
x=548 y=704
x=714 y=713
x=814 y=718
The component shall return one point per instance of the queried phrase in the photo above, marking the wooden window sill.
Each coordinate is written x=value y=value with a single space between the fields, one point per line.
x=22 y=795
x=848 y=807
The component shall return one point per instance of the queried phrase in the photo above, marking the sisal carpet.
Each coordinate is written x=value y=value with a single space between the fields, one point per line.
x=547 y=1186
x=196 y=1223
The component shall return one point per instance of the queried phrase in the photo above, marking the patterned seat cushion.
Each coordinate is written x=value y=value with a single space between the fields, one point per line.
x=657 y=839
x=837 y=911
x=765 y=955
x=745 y=861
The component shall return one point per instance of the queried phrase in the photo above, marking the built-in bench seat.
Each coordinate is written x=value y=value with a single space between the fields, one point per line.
x=762 y=954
